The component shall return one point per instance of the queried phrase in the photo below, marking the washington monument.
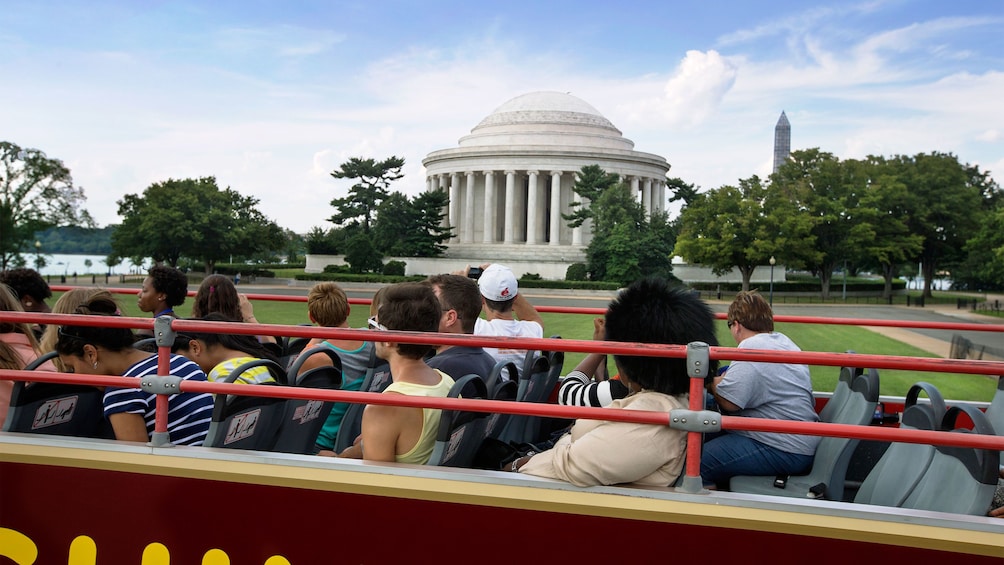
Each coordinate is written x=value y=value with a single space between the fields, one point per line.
x=782 y=141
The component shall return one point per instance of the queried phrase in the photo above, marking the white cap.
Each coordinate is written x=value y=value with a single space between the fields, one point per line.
x=498 y=283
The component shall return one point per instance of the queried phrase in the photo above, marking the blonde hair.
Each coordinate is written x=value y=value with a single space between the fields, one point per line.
x=327 y=304
x=9 y=357
x=68 y=304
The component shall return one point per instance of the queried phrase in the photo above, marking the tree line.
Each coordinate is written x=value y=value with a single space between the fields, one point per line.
x=816 y=212
x=880 y=214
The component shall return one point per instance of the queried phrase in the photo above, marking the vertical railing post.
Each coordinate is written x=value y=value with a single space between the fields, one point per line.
x=698 y=363
x=164 y=334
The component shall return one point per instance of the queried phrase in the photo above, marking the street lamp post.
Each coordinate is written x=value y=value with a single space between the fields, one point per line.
x=38 y=255
x=771 y=299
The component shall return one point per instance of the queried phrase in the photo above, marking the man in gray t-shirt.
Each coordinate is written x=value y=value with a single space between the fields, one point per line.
x=779 y=391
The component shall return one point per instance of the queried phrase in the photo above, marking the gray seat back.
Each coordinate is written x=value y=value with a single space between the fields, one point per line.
x=959 y=479
x=377 y=378
x=303 y=419
x=903 y=464
x=460 y=432
x=246 y=422
x=840 y=393
x=995 y=412
x=56 y=408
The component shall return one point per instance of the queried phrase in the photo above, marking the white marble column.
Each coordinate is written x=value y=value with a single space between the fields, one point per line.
x=532 y=196
x=661 y=204
x=428 y=184
x=635 y=189
x=467 y=234
x=455 y=206
x=577 y=232
x=489 y=212
x=646 y=197
x=441 y=181
x=555 y=207
x=510 y=207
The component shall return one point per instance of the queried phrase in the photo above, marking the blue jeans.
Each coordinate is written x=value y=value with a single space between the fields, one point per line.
x=727 y=455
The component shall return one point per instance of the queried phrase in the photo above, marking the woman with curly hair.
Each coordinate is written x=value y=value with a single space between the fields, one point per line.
x=217 y=294
x=163 y=289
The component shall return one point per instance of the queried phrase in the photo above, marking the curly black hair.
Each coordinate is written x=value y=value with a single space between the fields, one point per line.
x=172 y=282
x=26 y=282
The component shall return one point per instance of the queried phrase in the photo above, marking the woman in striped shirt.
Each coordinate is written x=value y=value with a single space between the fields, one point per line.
x=131 y=412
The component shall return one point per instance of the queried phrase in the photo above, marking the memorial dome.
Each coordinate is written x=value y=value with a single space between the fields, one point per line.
x=547 y=118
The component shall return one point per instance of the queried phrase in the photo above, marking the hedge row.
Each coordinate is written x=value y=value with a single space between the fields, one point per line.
x=799 y=286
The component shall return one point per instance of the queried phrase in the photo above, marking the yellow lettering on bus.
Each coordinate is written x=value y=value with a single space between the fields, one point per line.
x=18 y=547
x=156 y=554
x=83 y=551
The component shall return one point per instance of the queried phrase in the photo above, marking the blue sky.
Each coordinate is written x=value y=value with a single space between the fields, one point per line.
x=270 y=97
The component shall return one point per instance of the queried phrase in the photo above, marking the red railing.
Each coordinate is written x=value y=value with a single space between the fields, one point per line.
x=919 y=324
x=547 y=410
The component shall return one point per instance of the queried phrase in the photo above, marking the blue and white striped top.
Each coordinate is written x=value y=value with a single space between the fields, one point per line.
x=189 y=413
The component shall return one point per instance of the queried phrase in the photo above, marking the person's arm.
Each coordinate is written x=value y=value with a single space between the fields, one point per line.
x=525 y=311
x=247 y=313
x=381 y=430
x=577 y=390
x=726 y=405
x=611 y=453
x=128 y=427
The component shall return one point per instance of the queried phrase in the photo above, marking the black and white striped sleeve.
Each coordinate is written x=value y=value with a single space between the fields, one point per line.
x=578 y=390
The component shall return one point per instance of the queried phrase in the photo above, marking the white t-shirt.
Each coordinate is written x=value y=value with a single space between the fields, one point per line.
x=508 y=328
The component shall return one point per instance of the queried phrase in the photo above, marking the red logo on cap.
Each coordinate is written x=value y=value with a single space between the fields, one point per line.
x=505 y=292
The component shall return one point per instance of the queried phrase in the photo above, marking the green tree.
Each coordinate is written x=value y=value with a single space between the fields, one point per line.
x=36 y=193
x=743 y=227
x=830 y=191
x=412 y=227
x=591 y=182
x=195 y=219
x=983 y=268
x=361 y=255
x=893 y=244
x=948 y=201
x=626 y=245
x=366 y=195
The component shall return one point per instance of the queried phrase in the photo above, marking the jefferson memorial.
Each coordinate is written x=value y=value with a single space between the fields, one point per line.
x=511 y=179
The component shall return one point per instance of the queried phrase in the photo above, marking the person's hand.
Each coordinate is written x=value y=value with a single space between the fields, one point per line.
x=247 y=310
x=599 y=329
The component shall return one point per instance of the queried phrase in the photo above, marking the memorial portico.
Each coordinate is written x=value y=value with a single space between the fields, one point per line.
x=510 y=181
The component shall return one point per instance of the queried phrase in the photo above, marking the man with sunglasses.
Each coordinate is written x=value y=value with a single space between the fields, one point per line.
x=779 y=391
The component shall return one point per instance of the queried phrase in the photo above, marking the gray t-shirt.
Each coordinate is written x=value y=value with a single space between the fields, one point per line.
x=780 y=391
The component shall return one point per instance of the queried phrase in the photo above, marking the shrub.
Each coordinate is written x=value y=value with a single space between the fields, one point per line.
x=395 y=268
x=577 y=272
x=531 y=277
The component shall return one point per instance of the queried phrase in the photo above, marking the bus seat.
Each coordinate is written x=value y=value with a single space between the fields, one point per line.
x=246 y=422
x=303 y=419
x=840 y=393
x=377 y=378
x=903 y=464
x=56 y=408
x=460 y=432
x=995 y=412
x=500 y=390
x=959 y=479
x=531 y=388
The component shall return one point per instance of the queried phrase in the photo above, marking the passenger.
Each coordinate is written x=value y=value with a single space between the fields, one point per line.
x=328 y=307
x=778 y=391
x=217 y=293
x=18 y=347
x=218 y=354
x=68 y=304
x=163 y=289
x=109 y=351
x=501 y=301
x=31 y=290
x=589 y=384
x=396 y=433
x=461 y=304
x=597 y=452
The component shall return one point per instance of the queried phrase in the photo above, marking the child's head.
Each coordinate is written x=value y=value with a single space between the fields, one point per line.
x=327 y=304
x=651 y=311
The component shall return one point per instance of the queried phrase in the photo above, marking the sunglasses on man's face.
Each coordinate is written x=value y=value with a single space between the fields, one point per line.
x=375 y=325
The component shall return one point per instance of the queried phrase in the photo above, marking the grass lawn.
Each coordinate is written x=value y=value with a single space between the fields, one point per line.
x=810 y=337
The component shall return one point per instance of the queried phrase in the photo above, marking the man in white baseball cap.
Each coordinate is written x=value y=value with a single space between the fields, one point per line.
x=507 y=312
